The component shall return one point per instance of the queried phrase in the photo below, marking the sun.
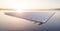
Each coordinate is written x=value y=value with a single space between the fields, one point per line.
x=17 y=4
x=19 y=11
x=20 y=7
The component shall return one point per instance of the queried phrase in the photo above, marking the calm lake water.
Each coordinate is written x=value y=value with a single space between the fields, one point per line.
x=9 y=23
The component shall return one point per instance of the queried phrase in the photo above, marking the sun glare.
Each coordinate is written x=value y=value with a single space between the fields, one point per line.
x=19 y=11
x=20 y=8
x=19 y=5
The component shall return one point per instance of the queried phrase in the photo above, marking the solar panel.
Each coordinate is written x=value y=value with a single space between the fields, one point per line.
x=37 y=17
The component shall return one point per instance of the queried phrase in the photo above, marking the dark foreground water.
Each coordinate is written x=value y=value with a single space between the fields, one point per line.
x=9 y=23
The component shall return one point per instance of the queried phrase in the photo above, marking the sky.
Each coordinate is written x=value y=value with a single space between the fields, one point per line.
x=30 y=4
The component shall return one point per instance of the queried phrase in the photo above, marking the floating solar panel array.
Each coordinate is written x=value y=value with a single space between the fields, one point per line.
x=37 y=17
